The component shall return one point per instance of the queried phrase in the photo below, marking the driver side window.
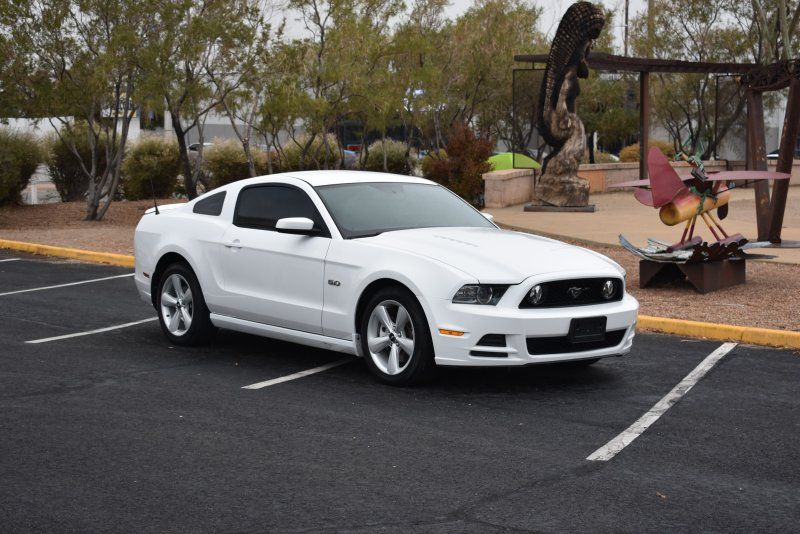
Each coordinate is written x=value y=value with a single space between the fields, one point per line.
x=261 y=207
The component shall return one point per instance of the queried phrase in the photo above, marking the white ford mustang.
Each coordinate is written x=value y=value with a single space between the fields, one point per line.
x=393 y=268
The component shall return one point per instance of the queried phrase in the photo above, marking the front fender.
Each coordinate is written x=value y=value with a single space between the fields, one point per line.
x=355 y=265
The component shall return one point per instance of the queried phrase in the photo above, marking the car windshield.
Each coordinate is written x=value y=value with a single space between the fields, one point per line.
x=367 y=209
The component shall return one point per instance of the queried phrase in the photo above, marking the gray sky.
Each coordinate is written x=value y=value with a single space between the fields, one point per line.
x=553 y=10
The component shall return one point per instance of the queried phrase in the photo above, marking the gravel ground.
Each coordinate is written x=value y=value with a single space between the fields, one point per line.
x=770 y=299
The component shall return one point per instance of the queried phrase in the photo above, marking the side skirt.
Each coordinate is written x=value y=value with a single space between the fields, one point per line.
x=284 y=334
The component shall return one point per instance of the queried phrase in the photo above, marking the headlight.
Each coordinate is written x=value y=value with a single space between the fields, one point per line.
x=479 y=294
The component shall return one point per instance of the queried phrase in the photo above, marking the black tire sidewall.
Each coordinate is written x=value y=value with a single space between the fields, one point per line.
x=422 y=363
x=201 y=329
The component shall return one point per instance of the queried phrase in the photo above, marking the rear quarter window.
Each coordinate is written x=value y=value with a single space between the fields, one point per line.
x=211 y=205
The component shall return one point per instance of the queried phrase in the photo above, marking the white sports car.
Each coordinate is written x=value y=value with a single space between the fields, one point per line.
x=396 y=269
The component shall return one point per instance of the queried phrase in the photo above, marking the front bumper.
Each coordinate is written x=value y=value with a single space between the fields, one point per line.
x=518 y=325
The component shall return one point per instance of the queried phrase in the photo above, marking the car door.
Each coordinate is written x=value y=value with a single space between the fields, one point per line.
x=272 y=277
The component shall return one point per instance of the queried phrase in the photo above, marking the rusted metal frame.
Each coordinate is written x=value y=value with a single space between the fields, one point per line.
x=717 y=224
x=610 y=62
x=710 y=227
x=757 y=159
x=686 y=231
x=644 y=122
x=780 y=188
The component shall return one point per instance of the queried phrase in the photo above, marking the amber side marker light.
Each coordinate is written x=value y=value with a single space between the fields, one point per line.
x=450 y=332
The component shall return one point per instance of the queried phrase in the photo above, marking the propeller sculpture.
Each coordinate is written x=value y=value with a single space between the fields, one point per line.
x=685 y=200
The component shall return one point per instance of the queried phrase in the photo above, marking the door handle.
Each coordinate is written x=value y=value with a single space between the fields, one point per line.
x=233 y=244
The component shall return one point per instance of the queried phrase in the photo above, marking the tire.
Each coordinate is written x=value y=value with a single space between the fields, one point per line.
x=404 y=369
x=182 y=313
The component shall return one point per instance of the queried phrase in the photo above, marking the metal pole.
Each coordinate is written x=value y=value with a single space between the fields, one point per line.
x=644 y=122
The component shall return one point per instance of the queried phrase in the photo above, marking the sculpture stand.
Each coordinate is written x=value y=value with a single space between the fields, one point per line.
x=704 y=276
x=561 y=195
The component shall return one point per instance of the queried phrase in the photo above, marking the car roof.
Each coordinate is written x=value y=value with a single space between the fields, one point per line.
x=322 y=178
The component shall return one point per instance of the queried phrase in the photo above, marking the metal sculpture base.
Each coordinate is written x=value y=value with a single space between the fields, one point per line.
x=704 y=276
x=537 y=206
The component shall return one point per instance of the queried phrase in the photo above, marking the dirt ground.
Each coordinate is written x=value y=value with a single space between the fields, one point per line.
x=770 y=299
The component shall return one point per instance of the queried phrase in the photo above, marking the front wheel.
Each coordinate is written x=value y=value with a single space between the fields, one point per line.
x=182 y=310
x=395 y=338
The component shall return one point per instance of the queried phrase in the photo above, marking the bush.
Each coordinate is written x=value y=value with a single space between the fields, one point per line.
x=315 y=156
x=396 y=157
x=429 y=160
x=20 y=154
x=150 y=158
x=65 y=169
x=462 y=171
x=225 y=162
x=631 y=152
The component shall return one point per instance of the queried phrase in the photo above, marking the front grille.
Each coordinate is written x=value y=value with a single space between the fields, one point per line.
x=577 y=292
x=563 y=345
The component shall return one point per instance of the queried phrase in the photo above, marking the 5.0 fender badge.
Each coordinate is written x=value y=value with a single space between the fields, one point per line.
x=334 y=283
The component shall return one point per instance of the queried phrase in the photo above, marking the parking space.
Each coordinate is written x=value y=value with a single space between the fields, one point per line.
x=119 y=430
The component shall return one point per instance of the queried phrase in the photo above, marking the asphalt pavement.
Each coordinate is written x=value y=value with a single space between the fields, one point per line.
x=118 y=431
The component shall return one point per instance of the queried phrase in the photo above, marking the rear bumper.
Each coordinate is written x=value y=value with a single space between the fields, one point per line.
x=518 y=325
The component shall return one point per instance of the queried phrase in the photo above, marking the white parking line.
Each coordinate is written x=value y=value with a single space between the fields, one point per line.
x=65 y=285
x=90 y=332
x=610 y=449
x=301 y=374
x=10 y=259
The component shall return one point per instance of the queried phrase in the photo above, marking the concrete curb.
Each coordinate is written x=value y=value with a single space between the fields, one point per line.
x=721 y=332
x=679 y=327
x=121 y=260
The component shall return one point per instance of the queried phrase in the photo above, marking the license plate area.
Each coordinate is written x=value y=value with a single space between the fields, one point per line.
x=587 y=330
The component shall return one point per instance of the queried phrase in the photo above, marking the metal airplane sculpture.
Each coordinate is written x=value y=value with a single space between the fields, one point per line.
x=685 y=199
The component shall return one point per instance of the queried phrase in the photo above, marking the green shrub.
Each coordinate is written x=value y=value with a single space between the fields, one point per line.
x=20 y=154
x=65 y=169
x=225 y=162
x=396 y=157
x=150 y=158
x=315 y=156
x=631 y=152
x=430 y=159
x=462 y=171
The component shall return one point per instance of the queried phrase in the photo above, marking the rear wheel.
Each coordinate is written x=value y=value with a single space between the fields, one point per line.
x=395 y=338
x=182 y=310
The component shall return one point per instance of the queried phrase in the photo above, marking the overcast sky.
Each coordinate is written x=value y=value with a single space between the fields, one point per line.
x=553 y=10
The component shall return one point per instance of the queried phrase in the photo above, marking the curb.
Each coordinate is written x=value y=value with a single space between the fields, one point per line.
x=721 y=332
x=121 y=260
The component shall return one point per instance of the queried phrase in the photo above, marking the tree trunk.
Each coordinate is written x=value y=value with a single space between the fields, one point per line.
x=183 y=151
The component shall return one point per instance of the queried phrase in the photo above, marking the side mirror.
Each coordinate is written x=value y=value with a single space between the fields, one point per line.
x=488 y=216
x=296 y=225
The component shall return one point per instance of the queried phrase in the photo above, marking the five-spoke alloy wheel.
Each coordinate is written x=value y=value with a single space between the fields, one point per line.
x=182 y=311
x=395 y=337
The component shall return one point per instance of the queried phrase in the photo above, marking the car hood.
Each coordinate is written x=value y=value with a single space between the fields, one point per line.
x=497 y=256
